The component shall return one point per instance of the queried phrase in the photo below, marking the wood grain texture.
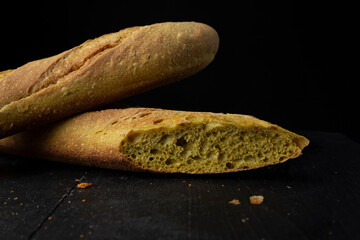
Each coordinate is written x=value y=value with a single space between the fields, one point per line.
x=315 y=198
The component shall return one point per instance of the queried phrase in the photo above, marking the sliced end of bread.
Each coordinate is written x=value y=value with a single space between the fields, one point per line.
x=210 y=147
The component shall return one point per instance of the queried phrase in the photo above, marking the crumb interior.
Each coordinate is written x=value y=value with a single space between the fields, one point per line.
x=207 y=148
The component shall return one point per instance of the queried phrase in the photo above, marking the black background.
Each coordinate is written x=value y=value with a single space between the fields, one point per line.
x=280 y=62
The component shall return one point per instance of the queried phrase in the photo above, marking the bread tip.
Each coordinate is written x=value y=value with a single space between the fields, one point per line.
x=301 y=142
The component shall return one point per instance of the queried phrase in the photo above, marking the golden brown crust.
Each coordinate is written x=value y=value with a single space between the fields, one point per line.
x=102 y=71
x=94 y=138
x=5 y=73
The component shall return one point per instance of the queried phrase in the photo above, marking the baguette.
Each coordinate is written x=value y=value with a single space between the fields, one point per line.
x=156 y=140
x=102 y=71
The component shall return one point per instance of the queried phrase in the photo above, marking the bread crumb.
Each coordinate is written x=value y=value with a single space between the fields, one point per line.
x=49 y=218
x=256 y=199
x=235 y=202
x=15 y=198
x=189 y=184
x=83 y=200
x=83 y=185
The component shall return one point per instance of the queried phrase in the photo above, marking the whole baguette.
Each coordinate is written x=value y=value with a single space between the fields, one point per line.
x=156 y=140
x=102 y=71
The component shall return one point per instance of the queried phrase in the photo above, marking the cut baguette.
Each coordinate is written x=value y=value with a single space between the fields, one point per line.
x=102 y=71
x=156 y=140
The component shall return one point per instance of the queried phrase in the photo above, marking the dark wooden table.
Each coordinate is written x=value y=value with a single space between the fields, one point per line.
x=313 y=197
